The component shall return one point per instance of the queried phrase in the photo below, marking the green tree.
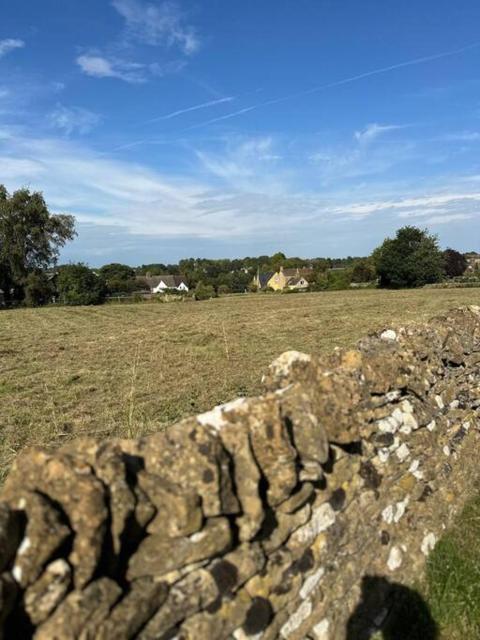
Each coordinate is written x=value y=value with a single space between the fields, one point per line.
x=77 y=284
x=411 y=259
x=277 y=260
x=39 y=289
x=455 y=263
x=30 y=238
x=204 y=291
x=363 y=271
x=120 y=278
x=331 y=280
x=116 y=271
x=223 y=289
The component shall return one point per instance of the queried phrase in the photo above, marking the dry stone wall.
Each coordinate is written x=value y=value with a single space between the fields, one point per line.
x=263 y=518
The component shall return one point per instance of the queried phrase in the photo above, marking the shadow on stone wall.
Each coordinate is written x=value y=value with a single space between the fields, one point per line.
x=398 y=611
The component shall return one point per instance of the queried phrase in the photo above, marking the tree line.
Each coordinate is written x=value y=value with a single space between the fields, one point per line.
x=31 y=238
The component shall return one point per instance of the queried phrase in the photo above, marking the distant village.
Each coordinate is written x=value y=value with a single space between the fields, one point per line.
x=31 y=276
x=283 y=279
x=293 y=279
x=203 y=278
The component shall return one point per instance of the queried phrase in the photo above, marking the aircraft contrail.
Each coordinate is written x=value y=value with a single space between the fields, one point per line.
x=338 y=83
x=203 y=105
x=225 y=117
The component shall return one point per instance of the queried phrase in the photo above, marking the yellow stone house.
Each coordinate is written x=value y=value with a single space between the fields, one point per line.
x=283 y=279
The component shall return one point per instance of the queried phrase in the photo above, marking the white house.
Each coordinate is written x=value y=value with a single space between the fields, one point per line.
x=160 y=284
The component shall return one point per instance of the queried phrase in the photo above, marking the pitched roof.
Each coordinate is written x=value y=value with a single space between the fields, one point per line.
x=263 y=278
x=171 y=282
x=293 y=282
x=288 y=273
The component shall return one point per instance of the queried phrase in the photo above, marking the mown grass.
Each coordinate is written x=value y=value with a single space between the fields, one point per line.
x=131 y=369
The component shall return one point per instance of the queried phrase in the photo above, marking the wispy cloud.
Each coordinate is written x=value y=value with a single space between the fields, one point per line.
x=446 y=219
x=71 y=120
x=10 y=44
x=345 y=162
x=412 y=207
x=246 y=164
x=196 y=107
x=158 y=24
x=373 y=131
x=242 y=191
x=98 y=66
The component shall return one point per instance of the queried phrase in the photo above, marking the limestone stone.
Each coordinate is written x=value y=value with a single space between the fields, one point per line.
x=220 y=624
x=194 y=592
x=48 y=591
x=158 y=554
x=44 y=534
x=133 y=611
x=178 y=511
x=111 y=469
x=309 y=436
x=80 y=614
x=236 y=440
x=286 y=524
x=235 y=568
x=144 y=511
x=71 y=484
x=291 y=365
x=273 y=448
x=297 y=499
x=195 y=454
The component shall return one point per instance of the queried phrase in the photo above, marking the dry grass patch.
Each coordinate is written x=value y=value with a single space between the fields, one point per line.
x=130 y=369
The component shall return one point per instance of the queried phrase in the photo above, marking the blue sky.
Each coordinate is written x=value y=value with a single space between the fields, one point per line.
x=221 y=129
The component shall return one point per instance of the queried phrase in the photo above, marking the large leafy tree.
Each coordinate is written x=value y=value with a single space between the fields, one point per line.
x=455 y=263
x=116 y=271
x=120 y=278
x=30 y=238
x=411 y=259
x=363 y=270
x=77 y=284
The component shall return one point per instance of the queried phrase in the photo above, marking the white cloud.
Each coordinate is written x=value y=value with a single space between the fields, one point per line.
x=339 y=163
x=246 y=164
x=238 y=192
x=158 y=24
x=73 y=119
x=99 y=66
x=373 y=131
x=10 y=44
x=418 y=203
x=161 y=24
x=448 y=218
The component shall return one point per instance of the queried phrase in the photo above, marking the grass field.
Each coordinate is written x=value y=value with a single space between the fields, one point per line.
x=131 y=369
